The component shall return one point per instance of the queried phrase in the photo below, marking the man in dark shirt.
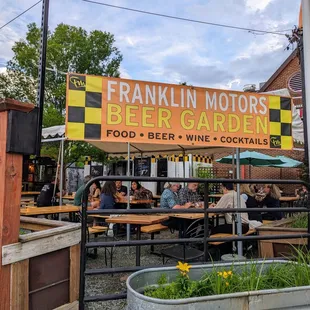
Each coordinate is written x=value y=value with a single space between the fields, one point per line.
x=120 y=188
x=46 y=196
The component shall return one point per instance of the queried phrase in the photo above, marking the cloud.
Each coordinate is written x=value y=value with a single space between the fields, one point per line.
x=255 y=5
x=167 y=50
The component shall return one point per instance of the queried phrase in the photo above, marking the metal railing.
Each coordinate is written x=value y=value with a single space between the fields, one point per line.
x=97 y=244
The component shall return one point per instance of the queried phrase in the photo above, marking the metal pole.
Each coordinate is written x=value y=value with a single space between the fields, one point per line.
x=233 y=164
x=206 y=222
x=41 y=75
x=61 y=171
x=305 y=70
x=128 y=192
x=239 y=221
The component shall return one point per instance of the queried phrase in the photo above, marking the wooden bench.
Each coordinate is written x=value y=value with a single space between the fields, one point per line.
x=152 y=229
x=222 y=235
x=267 y=222
x=97 y=229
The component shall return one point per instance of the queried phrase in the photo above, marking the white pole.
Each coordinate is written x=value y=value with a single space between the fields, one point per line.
x=128 y=192
x=239 y=221
x=61 y=171
x=306 y=49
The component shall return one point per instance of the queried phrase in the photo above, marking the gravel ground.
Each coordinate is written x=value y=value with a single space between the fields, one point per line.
x=122 y=257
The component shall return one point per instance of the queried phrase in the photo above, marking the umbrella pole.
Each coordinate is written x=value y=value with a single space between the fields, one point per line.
x=239 y=221
x=128 y=192
x=233 y=163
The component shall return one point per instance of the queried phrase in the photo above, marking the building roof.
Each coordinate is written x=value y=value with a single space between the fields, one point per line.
x=280 y=69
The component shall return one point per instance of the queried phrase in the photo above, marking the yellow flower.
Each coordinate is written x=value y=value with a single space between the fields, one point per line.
x=184 y=268
x=227 y=284
x=220 y=273
x=229 y=273
x=225 y=274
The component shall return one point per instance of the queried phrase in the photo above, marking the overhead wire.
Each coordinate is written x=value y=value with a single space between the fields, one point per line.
x=185 y=19
x=19 y=15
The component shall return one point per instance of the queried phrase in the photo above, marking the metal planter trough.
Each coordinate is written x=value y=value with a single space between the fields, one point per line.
x=288 y=298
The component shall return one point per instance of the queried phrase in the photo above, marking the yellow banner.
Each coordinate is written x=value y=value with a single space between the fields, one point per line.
x=121 y=110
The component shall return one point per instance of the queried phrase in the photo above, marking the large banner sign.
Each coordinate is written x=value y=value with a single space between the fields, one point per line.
x=121 y=110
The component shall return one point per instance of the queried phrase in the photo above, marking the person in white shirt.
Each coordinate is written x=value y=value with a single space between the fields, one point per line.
x=229 y=201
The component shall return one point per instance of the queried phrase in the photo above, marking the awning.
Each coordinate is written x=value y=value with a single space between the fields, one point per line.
x=53 y=132
x=116 y=149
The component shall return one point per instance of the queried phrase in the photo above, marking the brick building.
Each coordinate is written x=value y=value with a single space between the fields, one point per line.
x=286 y=76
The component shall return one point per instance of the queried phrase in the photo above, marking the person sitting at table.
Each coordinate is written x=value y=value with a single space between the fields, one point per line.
x=189 y=194
x=78 y=197
x=169 y=198
x=108 y=196
x=229 y=201
x=139 y=192
x=121 y=189
x=49 y=194
x=251 y=202
x=253 y=188
x=272 y=200
x=96 y=190
x=302 y=196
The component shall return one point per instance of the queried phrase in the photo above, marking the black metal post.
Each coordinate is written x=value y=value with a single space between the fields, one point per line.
x=83 y=249
x=41 y=75
x=302 y=69
x=206 y=222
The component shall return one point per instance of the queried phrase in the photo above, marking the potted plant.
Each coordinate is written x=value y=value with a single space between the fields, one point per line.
x=246 y=285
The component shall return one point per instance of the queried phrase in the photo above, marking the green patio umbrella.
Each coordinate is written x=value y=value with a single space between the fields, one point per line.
x=252 y=158
x=287 y=163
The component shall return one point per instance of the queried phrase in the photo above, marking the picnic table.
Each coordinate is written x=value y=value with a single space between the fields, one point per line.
x=136 y=201
x=68 y=197
x=33 y=194
x=288 y=200
x=138 y=220
x=197 y=216
x=35 y=211
x=156 y=198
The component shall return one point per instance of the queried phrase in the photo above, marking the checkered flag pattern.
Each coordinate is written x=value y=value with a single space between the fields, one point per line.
x=280 y=118
x=84 y=107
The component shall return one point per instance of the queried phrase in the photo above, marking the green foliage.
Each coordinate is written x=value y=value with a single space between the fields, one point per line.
x=300 y=221
x=162 y=279
x=249 y=277
x=69 y=49
x=205 y=173
x=52 y=117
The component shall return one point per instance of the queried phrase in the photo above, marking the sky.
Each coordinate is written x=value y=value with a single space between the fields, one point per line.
x=172 y=51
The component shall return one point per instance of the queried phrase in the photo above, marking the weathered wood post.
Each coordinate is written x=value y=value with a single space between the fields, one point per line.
x=10 y=185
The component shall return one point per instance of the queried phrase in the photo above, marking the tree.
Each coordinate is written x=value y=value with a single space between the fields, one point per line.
x=69 y=49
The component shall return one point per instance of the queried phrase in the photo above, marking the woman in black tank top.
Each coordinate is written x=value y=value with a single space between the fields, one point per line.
x=250 y=202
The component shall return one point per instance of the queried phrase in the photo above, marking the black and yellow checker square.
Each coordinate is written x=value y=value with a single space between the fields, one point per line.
x=275 y=129
x=92 y=116
x=84 y=107
x=76 y=98
x=94 y=84
x=75 y=131
x=280 y=122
